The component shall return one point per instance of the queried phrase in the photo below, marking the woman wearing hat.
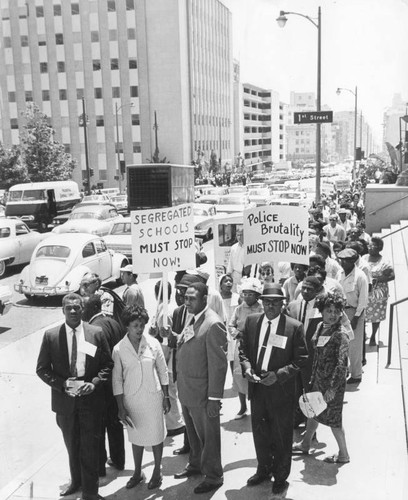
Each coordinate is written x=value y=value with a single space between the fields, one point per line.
x=251 y=290
x=231 y=301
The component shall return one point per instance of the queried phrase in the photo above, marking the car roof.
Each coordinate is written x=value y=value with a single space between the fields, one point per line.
x=99 y=207
x=69 y=239
x=10 y=221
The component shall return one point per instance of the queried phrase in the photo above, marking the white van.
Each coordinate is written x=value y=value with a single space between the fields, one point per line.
x=37 y=203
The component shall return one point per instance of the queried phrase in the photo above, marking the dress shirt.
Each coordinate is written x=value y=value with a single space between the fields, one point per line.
x=269 y=346
x=236 y=259
x=81 y=356
x=355 y=286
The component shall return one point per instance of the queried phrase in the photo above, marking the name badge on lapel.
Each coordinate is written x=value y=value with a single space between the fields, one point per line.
x=322 y=341
x=188 y=333
x=87 y=348
x=278 y=341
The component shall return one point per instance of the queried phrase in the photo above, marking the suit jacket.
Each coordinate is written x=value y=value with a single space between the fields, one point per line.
x=202 y=361
x=286 y=362
x=293 y=310
x=53 y=367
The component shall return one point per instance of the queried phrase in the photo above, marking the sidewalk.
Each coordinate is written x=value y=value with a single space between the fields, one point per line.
x=373 y=420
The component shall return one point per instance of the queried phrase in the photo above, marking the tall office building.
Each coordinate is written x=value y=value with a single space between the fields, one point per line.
x=128 y=59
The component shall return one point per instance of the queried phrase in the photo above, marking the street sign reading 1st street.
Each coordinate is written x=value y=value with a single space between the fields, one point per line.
x=313 y=117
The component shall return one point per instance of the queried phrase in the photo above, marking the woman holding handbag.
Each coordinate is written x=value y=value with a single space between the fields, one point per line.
x=329 y=373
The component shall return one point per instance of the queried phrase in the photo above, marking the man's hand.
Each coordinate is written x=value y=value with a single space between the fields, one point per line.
x=252 y=377
x=166 y=405
x=354 y=322
x=86 y=389
x=164 y=332
x=329 y=395
x=70 y=391
x=213 y=408
x=269 y=379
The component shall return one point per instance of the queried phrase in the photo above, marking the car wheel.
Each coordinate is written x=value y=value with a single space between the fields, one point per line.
x=2 y=268
x=119 y=281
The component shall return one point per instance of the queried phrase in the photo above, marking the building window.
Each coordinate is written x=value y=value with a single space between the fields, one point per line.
x=59 y=39
x=96 y=65
x=132 y=63
x=94 y=36
x=80 y=93
x=41 y=40
x=114 y=63
x=67 y=148
x=113 y=35
x=136 y=147
x=13 y=123
x=24 y=40
x=7 y=42
x=12 y=97
x=99 y=121
x=134 y=91
x=131 y=34
x=111 y=6
x=57 y=10
x=63 y=94
x=115 y=92
x=43 y=67
x=98 y=93
x=61 y=66
x=130 y=4
x=74 y=8
x=39 y=11
x=135 y=120
x=45 y=95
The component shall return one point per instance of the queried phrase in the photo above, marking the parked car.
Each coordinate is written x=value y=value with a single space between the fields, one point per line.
x=203 y=220
x=209 y=199
x=5 y=299
x=260 y=196
x=95 y=219
x=233 y=203
x=95 y=198
x=237 y=189
x=120 y=201
x=292 y=198
x=17 y=242
x=2 y=211
x=59 y=263
x=119 y=238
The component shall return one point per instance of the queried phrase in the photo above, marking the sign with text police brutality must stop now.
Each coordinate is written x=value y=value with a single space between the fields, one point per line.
x=276 y=233
x=163 y=239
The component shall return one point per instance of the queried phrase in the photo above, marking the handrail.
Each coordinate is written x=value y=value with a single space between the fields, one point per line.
x=390 y=328
x=388 y=205
x=393 y=232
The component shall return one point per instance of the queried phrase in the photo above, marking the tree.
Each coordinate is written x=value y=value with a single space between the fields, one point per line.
x=11 y=169
x=43 y=156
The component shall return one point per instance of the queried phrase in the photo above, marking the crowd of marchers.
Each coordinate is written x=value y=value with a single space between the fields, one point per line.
x=114 y=370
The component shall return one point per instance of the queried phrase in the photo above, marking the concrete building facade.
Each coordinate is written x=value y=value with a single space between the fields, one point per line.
x=129 y=58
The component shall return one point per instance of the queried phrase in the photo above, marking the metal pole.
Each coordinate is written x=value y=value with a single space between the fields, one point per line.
x=117 y=146
x=355 y=135
x=88 y=171
x=318 y=125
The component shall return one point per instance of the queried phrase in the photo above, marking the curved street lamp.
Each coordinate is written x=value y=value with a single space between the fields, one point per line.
x=317 y=22
x=117 y=109
x=338 y=92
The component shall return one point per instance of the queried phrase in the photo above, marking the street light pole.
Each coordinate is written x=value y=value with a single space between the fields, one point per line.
x=318 y=24
x=355 y=93
x=84 y=124
x=117 y=109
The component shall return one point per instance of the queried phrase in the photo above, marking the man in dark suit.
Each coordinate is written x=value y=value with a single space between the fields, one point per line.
x=272 y=352
x=75 y=361
x=201 y=371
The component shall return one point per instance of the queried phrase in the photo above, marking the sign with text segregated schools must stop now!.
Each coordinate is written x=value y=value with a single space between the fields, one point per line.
x=276 y=233
x=163 y=239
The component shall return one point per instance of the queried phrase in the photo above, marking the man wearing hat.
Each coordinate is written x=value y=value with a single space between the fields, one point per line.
x=272 y=352
x=355 y=286
x=334 y=232
x=132 y=295
x=344 y=221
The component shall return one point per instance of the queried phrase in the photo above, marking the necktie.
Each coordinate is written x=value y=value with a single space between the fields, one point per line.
x=263 y=349
x=305 y=302
x=74 y=355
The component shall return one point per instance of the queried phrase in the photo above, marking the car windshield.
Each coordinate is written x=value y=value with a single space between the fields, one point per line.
x=200 y=211
x=232 y=200
x=85 y=215
x=4 y=232
x=292 y=196
x=54 y=252
x=121 y=228
x=33 y=195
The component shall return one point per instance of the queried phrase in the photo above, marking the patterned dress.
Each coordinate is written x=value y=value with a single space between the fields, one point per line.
x=378 y=297
x=330 y=370
x=139 y=377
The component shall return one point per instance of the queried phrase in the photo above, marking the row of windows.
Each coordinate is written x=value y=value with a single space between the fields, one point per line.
x=261 y=118
x=211 y=145
x=302 y=141
x=96 y=65
x=59 y=38
x=256 y=142
x=256 y=130
x=211 y=120
x=111 y=4
x=99 y=121
x=257 y=105
x=259 y=94
x=62 y=94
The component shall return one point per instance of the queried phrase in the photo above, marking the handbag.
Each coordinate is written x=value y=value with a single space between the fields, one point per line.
x=312 y=404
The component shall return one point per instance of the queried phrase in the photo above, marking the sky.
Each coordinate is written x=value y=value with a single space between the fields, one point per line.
x=364 y=44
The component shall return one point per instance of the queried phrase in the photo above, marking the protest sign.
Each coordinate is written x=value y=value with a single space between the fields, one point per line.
x=276 y=233
x=163 y=239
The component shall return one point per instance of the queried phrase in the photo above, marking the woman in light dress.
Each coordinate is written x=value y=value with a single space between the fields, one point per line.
x=140 y=385
x=231 y=301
